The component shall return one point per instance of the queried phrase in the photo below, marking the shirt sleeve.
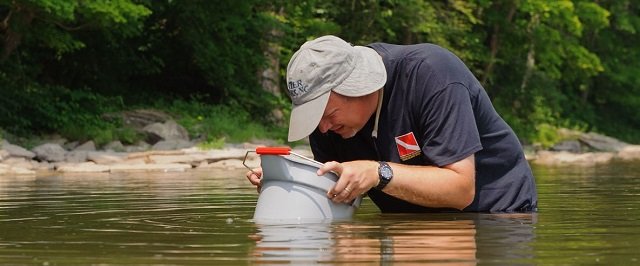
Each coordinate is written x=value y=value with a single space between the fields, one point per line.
x=449 y=131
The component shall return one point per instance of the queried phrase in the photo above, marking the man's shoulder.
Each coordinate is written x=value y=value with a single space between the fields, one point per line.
x=395 y=51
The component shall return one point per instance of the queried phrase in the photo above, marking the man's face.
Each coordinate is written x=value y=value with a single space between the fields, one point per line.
x=345 y=116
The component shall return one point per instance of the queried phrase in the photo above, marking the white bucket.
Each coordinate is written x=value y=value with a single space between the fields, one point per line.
x=293 y=192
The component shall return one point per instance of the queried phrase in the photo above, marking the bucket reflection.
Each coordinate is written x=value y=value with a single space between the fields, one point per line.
x=293 y=243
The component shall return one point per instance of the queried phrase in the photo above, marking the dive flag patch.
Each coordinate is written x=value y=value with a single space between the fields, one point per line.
x=407 y=146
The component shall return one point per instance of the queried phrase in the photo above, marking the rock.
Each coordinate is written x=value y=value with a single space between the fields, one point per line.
x=87 y=146
x=149 y=168
x=50 y=152
x=169 y=130
x=21 y=162
x=43 y=166
x=187 y=158
x=140 y=118
x=115 y=145
x=134 y=161
x=572 y=146
x=76 y=156
x=227 y=164
x=628 y=153
x=563 y=158
x=166 y=145
x=70 y=145
x=601 y=142
x=16 y=151
x=86 y=167
x=219 y=155
x=146 y=154
x=4 y=154
x=106 y=157
x=139 y=147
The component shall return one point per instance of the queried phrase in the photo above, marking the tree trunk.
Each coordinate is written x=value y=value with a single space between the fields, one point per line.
x=531 y=54
x=269 y=75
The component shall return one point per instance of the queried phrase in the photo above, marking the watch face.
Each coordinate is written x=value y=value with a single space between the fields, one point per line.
x=385 y=172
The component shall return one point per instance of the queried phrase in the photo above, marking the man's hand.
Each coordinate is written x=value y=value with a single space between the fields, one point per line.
x=356 y=178
x=254 y=177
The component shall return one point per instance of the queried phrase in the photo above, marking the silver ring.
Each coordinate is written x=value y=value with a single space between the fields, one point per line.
x=347 y=189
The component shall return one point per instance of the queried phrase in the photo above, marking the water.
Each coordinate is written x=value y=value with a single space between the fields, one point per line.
x=586 y=216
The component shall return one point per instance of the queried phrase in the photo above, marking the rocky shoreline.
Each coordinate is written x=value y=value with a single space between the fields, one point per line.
x=167 y=148
x=51 y=158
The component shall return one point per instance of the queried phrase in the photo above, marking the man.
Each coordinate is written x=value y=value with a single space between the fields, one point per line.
x=408 y=124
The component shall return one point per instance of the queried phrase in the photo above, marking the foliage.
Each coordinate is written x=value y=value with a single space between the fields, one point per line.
x=76 y=114
x=545 y=64
x=215 y=124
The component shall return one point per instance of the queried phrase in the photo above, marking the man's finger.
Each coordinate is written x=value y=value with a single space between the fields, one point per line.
x=254 y=177
x=331 y=166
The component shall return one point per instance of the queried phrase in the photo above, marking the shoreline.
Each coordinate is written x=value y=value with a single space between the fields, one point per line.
x=17 y=161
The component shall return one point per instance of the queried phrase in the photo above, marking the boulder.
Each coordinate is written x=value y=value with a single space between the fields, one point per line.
x=138 y=147
x=50 y=152
x=601 y=142
x=115 y=145
x=16 y=151
x=106 y=157
x=87 y=146
x=572 y=146
x=166 y=145
x=140 y=118
x=76 y=156
x=169 y=130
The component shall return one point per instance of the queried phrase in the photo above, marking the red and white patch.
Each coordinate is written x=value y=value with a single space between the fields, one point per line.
x=407 y=146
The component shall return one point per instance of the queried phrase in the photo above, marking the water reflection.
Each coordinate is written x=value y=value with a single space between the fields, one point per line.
x=398 y=238
x=587 y=216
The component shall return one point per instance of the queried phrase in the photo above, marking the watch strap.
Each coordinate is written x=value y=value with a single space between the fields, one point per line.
x=382 y=180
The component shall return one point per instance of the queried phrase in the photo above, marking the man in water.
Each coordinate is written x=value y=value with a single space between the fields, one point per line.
x=409 y=125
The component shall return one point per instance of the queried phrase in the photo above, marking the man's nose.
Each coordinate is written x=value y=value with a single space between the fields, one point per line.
x=324 y=126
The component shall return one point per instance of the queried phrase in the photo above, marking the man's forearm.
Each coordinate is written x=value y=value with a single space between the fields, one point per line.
x=452 y=186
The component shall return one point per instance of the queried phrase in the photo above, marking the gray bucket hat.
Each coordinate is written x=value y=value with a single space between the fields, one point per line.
x=325 y=64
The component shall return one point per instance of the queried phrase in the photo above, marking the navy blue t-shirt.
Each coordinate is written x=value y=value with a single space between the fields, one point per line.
x=435 y=112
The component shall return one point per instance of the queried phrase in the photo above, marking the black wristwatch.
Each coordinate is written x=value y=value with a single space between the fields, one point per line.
x=385 y=173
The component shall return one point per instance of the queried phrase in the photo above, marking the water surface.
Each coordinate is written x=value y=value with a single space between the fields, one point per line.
x=586 y=215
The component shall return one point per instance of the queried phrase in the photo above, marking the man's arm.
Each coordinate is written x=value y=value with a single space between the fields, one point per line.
x=451 y=186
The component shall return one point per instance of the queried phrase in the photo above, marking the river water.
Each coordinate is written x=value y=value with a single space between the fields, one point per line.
x=587 y=215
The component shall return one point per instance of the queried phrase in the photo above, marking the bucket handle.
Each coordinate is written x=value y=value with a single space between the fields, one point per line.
x=283 y=151
x=244 y=162
x=267 y=151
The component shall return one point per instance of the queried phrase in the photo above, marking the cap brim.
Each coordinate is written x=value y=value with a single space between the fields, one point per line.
x=368 y=76
x=306 y=117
